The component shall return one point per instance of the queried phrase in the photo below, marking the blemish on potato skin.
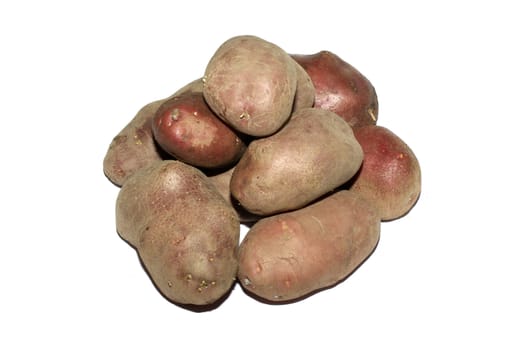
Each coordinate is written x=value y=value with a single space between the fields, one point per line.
x=204 y=284
x=258 y=268
x=137 y=140
x=370 y=110
x=140 y=134
x=175 y=114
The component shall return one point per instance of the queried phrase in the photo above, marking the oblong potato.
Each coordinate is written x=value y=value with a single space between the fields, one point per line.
x=290 y=255
x=250 y=83
x=185 y=233
x=314 y=153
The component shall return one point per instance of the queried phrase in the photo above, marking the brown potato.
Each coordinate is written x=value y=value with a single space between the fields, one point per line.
x=290 y=255
x=250 y=83
x=185 y=233
x=341 y=88
x=134 y=147
x=305 y=92
x=390 y=176
x=222 y=181
x=313 y=154
x=186 y=128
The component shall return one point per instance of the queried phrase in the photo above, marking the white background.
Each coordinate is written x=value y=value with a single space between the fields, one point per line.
x=448 y=76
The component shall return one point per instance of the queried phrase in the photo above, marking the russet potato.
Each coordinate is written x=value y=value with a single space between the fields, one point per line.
x=314 y=153
x=184 y=231
x=251 y=83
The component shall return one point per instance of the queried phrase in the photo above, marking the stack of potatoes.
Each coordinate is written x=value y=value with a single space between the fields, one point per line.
x=286 y=144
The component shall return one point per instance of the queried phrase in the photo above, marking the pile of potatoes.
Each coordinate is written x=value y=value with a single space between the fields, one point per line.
x=285 y=144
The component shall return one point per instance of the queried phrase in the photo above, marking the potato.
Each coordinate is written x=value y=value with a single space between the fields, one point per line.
x=222 y=182
x=186 y=128
x=293 y=254
x=134 y=147
x=390 y=176
x=250 y=83
x=305 y=92
x=313 y=154
x=341 y=88
x=185 y=233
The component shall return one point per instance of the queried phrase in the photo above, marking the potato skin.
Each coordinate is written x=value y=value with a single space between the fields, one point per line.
x=222 y=182
x=305 y=92
x=185 y=127
x=341 y=88
x=134 y=147
x=293 y=254
x=185 y=233
x=250 y=83
x=390 y=176
x=313 y=154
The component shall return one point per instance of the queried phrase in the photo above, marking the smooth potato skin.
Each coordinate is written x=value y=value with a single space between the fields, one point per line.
x=290 y=255
x=390 y=176
x=186 y=128
x=134 y=147
x=341 y=88
x=222 y=182
x=305 y=92
x=250 y=83
x=185 y=233
x=313 y=154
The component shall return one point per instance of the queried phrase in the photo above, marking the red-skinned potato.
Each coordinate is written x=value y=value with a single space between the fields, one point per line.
x=134 y=147
x=290 y=255
x=250 y=83
x=341 y=88
x=390 y=176
x=186 y=128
